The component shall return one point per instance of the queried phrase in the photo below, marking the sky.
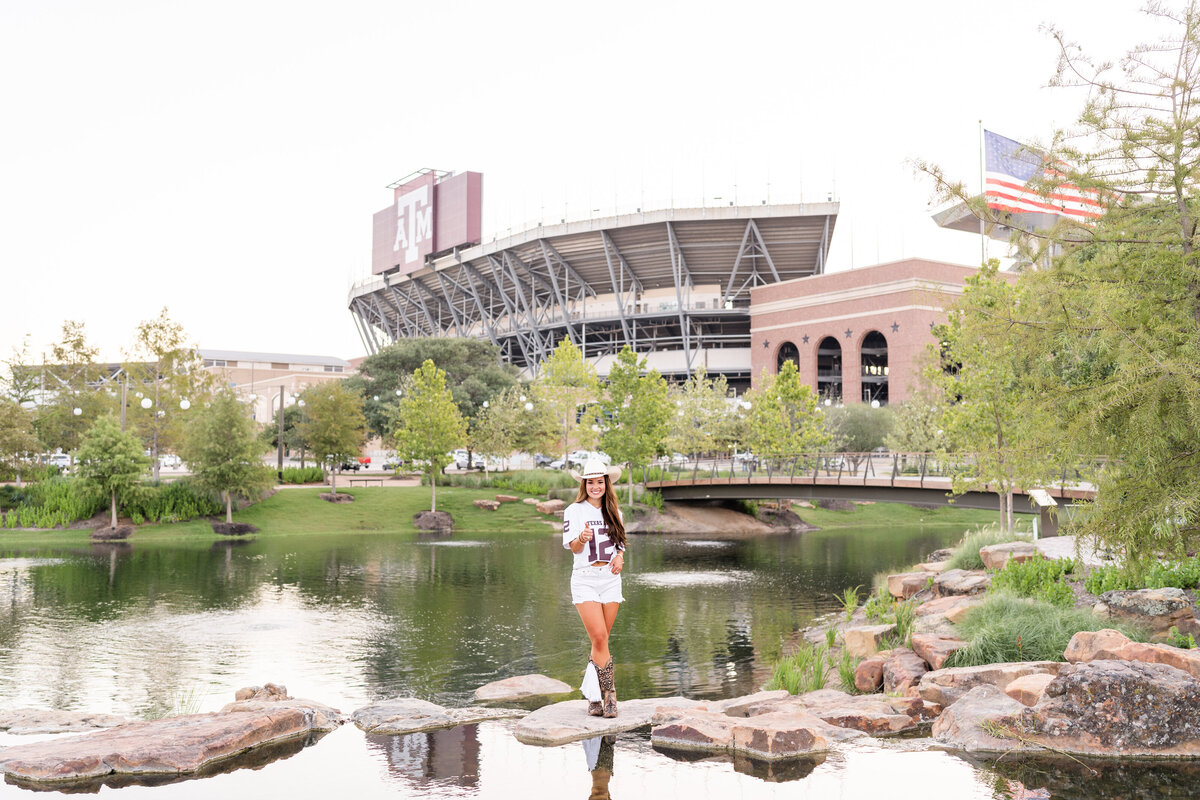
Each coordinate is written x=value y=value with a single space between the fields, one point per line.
x=223 y=159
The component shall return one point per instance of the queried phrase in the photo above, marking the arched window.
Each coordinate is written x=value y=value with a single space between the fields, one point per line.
x=787 y=352
x=874 y=360
x=829 y=369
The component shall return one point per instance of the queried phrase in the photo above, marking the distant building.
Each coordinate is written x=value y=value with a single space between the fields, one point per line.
x=855 y=335
x=260 y=377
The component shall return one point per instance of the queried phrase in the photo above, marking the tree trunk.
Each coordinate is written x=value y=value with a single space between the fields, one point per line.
x=433 y=490
x=228 y=507
x=114 y=508
x=631 y=487
x=333 y=480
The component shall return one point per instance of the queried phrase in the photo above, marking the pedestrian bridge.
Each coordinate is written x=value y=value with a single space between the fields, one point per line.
x=914 y=478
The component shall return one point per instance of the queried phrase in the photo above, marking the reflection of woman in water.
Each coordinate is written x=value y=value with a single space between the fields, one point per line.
x=599 y=754
x=594 y=531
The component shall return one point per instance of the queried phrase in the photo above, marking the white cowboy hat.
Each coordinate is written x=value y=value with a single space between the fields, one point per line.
x=594 y=468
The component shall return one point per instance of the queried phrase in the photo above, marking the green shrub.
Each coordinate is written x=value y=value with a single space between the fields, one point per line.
x=1039 y=578
x=966 y=553
x=178 y=501
x=879 y=605
x=11 y=496
x=532 y=482
x=903 y=615
x=1182 y=574
x=57 y=502
x=1177 y=639
x=803 y=671
x=303 y=475
x=845 y=670
x=1008 y=628
x=849 y=600
x=653 y=499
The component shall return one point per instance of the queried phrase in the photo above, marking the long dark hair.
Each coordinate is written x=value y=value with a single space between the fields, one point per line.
x=609 y=509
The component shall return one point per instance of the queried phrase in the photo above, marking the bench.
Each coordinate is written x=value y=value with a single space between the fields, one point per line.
x=365 y=481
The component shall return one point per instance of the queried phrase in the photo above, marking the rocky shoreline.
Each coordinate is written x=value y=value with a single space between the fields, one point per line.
x=1110 y=698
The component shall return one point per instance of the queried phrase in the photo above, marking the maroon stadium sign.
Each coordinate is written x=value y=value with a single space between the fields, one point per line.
x=427 y=216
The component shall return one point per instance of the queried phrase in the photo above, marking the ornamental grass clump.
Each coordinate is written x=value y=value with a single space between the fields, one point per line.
x=966 y=553
x=1006 y=628
x=803 y=671
x=1181 y=574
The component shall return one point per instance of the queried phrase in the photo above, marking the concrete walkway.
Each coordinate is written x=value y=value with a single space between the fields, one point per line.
x=1065 y=547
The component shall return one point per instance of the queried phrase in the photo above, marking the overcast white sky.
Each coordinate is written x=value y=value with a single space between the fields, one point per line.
x=223 y=159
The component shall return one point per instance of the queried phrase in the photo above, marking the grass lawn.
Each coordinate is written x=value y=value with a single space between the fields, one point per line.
x=390 y=510
x=884 y=514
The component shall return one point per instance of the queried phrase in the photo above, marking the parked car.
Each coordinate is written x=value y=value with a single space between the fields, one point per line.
x=60 y=460
x=540 y=460
x=679 y=458
x=349 y=466
x=170 y=461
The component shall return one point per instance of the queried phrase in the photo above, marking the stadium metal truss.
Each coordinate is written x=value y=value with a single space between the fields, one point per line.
x=673 y=281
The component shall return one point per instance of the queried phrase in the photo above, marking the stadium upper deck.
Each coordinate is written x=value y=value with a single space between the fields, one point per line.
x=675 y=284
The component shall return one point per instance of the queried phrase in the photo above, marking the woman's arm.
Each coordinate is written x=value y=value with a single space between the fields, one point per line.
x=577 y=544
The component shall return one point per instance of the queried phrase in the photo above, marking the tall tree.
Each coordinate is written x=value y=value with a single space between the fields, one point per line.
x=783 y=418
x=985 y=365
x=293 y=439
x=71 y=400
x=857 y=429
x=567 y=386
x=635 y=413
x=18 y=442
x=166 y=378
x=24 y=378
x=333 y=425
x=500 y=424
x=111 y=460
x=474 y=371
x=917 y=423
x=428 y=424
x=704 y=417
x=223 y=451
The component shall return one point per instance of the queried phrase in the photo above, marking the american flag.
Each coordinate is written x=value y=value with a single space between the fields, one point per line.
x=1011 y=165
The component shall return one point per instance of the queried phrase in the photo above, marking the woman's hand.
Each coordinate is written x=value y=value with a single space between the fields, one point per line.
x=617 y=564
x=587 y=535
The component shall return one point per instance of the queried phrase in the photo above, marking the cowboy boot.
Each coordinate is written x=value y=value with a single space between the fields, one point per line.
x=595 y=708
x=608 y=689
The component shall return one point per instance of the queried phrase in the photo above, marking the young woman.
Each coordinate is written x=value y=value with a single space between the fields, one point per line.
x=594 y=531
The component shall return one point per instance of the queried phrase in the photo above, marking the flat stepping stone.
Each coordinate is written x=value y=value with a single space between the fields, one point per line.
x=568 y=721
x=178 y=746
x=22 y=721
x=520 y=687
x=411 y=715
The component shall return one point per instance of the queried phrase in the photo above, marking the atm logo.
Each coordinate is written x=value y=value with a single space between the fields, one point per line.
x=414 y=223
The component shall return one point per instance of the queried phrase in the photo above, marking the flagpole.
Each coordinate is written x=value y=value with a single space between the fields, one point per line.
x=983 y=197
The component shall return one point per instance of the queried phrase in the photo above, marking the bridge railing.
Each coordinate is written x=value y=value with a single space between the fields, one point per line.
x=934 y=469
x=840 y=467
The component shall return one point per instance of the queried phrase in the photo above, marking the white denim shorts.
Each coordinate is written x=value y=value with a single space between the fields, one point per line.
x=596 y=584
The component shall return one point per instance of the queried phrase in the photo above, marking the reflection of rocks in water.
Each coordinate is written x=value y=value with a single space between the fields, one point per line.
x=450 y=754
x=254 y=758
x=1091 y=779
x=780 y=771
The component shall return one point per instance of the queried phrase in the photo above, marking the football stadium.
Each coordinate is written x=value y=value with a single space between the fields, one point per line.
x=675 y=284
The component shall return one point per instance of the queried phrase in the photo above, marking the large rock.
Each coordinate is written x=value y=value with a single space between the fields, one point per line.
x=1126 y=708
x=996 y=556
x=905 y=584
x=487 y=505
x=745 y=706
x=972 y=722
x=1159 y=610
x=318 y=717
x=932 y=566
x=271 y=691
x=173 y=746
x=942 y=606
x=568 y=721
x=935 y=650
x=874 y=714
x=39 y=720
x=520 y=687
x=960 y=581
x=411 y=715
x=868 y=675
x=551 y=506
x=507 y=498
x=945 y=686
x=864 y=640
x=1109 y=644
x=778 y=735
x=902 y=669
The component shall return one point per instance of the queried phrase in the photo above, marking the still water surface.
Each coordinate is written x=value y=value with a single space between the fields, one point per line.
x=351 y=618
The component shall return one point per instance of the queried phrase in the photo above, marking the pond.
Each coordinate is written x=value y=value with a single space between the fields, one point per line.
x=347 y=619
